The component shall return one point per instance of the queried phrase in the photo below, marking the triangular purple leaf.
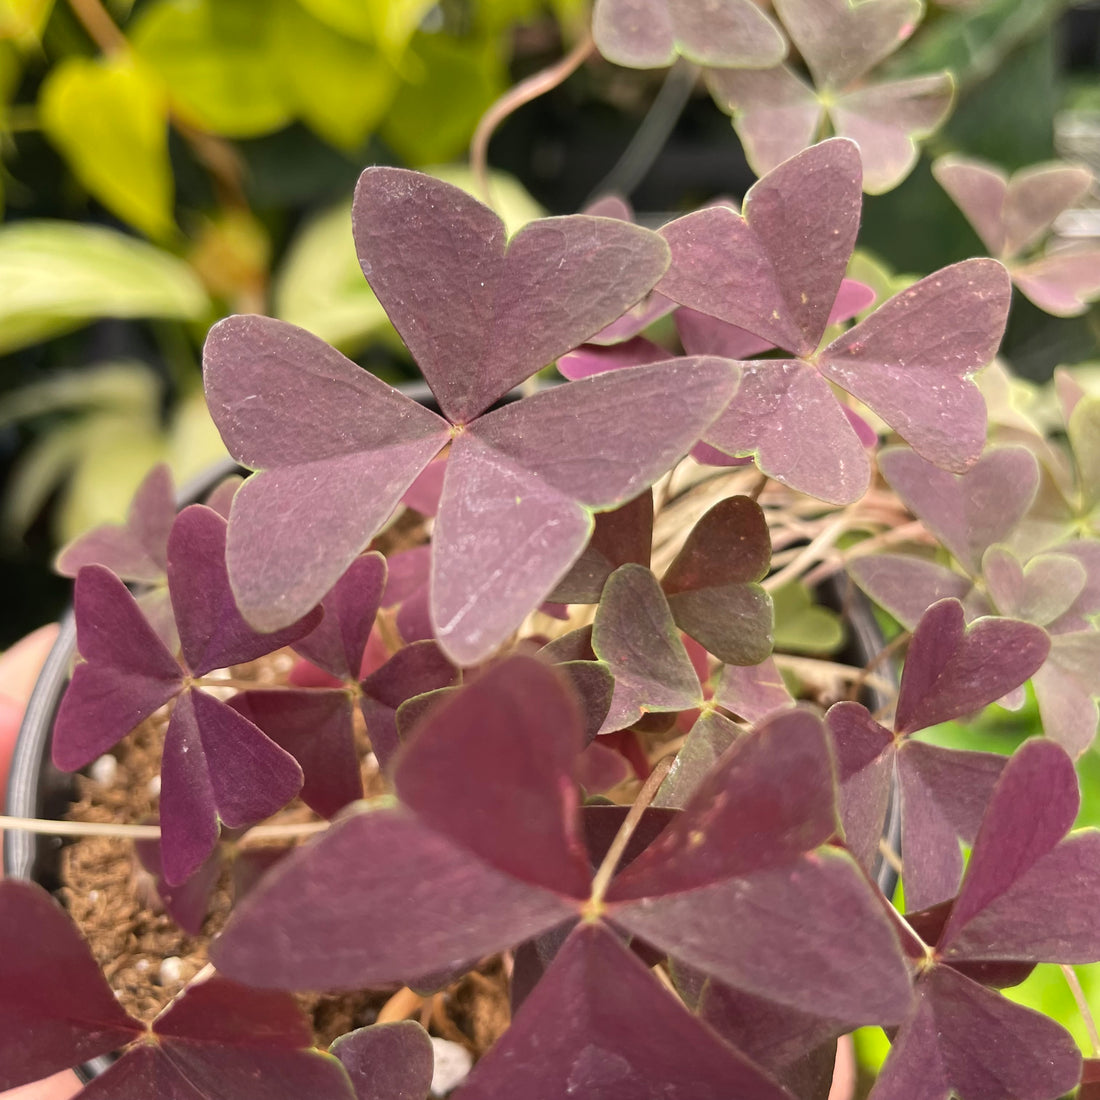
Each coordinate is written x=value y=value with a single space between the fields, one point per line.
x=911 y=360
x=752 y=691
x=907 y=586
x=188 y=903
x=460 y=293
x=431 y=909
x=56 y=1009
x=578 y=1031
x=707 y=740
x=520 y=728
x=387 y=1061
x=1063 y=281
x=952 y=669
x=336 y=447
x=127 y=675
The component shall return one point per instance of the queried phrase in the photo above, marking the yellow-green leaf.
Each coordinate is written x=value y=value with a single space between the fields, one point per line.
x=23 y=20
x=109 y=118
x=55 y=276
x=218 y=62
x=388 y=23
x=341 y=86
x=801 y=626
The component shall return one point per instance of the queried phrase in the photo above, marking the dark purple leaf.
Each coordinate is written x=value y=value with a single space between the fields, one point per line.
x=315 y=728
x=944 y=794
x=418 y=668
x=635 y=636
x=460 y=293
x=523 y=481
x=963 y=1040
x=423 y=494
x=434 y=907
x=406 y=574
x=216 y=765
x=1028 y=894
x=775 y=272
x=337 y=643
x=602 y=824
x=337 y=448
x=810 y=933
x=622 y=535
x=780 y=404
x=770 y=798
x=188 y=903
x=219 y=1039
x=387 y=1061
x=127 y=675
x=911 y=360
x=970 y=512
x=136 y=551
x=599 y=769
x=532 y=959
x=907 y=586
x=865 y=765
x=839 y=42
x=952 y=669
x=519 y=729
x=648 y=34
x=752 y=691
x=711 y=584
x=212 y=631
x=576 y=645
x=594 y=687
x=707 y=740
x=578 y=1034
x=56 y=1010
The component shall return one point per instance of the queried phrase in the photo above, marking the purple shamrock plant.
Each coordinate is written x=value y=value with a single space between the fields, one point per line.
x=524 y=668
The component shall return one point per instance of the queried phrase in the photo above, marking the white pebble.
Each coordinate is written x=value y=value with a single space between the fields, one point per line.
x=154 y=786
x=171 y=970
x=453 y=1063
x=104 y=770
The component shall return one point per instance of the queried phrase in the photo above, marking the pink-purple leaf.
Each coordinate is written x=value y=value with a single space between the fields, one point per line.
x=387 y=1061
x=522 y=482
x=590 y=359
x=967 y=512
x=752 y=691
x=577 y=1033
x=1066 y=707
x=770 y=798
x=411 y=903
x=481 y=313
x=336 y=644
x=907 y=586
x=707 y=740
x=56 y=1009
x=135 y=551
x=635 y=636
x=336 y=449
x=213 y=633
x=1039 y=592
x=779 y=408
x=1028 y=893
x=952 y=669
x=966 y=1041
x=911 y=360
x=315 y=728
x=599 y=769
x=1063 y=281
x=776 y=271
x=216 y=766
x=127 y=672
x=944 y=794
x=519 y=728
x=752 y=932
x=648 y=34
x=840 y=41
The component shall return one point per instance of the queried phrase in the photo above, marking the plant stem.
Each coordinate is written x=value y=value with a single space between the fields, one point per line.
x=1087 y=1017
x=525 y=91
x=811 y=553
x=101 y=29
x=622 y=838
x=147 y=832
x=809 y=666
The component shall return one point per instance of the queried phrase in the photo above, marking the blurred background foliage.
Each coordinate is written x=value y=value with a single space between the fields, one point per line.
x=166 y=162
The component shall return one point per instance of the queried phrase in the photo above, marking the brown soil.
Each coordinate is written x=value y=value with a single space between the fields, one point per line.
x=114 y=901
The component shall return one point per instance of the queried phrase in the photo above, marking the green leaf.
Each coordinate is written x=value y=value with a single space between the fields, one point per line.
x=219 y=63
x=55 y=276
x=801 y=626
x=341 y=87
x=109 y=118
x=24 y=20
x=434 y=114
x=125 y=387
x=388 y=23
x=1084 y=438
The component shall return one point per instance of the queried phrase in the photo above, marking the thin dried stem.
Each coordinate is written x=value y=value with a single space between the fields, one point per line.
x=401 y=1006
x=811 y=666
x=1087 y=1017
x=100 y=27
x=797 y=566
x=622 y=838
x=525 y=91
x=891 y=857
x=148 y=832
x=908 y=532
